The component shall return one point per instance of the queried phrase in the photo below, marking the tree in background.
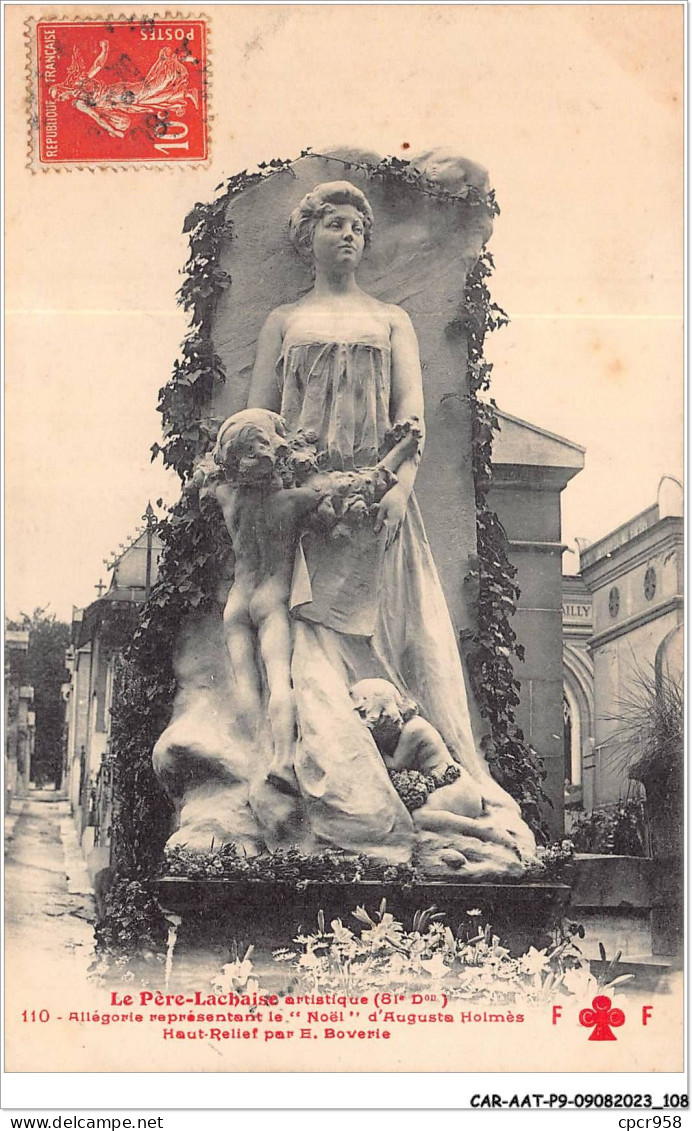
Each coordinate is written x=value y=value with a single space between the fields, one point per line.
x=44 y=669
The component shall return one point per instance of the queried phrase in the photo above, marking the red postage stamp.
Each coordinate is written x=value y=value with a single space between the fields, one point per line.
x=121 y=91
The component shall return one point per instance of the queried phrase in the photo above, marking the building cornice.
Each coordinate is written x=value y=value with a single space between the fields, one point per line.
x=653 y=613
x=639 y=549
x=574 y=583
x=538 y=547
x=531 y=477
x=528 y=426
x=625 y=532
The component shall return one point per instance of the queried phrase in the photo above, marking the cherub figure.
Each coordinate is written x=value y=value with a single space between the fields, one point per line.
x=407 y=741
x=262 y=517
x=266 y=485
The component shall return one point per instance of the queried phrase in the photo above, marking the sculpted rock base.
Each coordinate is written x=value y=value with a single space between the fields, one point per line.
x=224 y=795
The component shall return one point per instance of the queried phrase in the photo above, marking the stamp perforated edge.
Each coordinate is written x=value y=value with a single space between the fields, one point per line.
x=126 y=166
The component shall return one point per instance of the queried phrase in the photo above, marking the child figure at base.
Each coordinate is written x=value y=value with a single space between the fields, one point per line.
x=263 y=509
x=408 y=742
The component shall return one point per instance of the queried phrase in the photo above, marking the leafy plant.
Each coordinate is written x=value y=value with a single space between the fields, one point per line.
x=43 y=668
x=131 y=935
x=606 y=971
x=619 y=830
x=490 y=647
x=647 y=742
x=118 y=621
x=236 y=977
x=141 y=810
x=649 y=718
x=557 y=860
x=285 y=865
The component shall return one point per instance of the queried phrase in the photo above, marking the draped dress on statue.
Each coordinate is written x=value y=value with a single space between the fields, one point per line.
x=360 y=612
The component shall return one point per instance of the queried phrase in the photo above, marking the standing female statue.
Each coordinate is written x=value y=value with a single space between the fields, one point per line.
x=345 y=366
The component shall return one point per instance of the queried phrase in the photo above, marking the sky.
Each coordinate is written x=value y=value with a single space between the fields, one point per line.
x=576 y=111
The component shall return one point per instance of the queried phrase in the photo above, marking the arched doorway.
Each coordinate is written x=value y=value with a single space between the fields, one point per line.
x=578 y=712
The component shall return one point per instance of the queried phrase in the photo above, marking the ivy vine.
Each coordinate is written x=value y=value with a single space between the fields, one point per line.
x=512 y=761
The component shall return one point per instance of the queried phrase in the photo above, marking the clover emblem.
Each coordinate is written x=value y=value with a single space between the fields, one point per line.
x=602 y=1019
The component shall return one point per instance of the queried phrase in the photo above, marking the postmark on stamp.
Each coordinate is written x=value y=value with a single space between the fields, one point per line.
x=120 y=91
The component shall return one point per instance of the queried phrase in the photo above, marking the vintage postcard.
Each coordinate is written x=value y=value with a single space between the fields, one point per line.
x=344 y=568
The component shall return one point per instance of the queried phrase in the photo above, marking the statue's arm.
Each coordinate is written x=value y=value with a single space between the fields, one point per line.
x=297 y=501
x=407 y=390
x=418 y=739
x=406 y=401
x=404 y=449
x=403 y=758
x=228 y=497
x=264 y=389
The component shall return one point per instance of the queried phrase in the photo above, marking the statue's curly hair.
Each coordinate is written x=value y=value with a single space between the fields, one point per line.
x=372 y=691
x=318 y=203
x=241 y=428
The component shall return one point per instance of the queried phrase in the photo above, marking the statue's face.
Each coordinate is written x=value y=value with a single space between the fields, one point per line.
x=339 y=238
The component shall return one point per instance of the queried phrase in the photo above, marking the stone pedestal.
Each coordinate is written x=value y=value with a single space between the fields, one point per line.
x=630 y=905
x=216 y=914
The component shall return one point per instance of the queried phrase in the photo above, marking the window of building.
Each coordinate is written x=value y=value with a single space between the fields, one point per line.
x=650 y=583
x=567 y=739
x=614 y=601
x=572 y=752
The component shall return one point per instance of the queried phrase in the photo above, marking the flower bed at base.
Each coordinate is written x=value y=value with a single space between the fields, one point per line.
x=373 y=950
x=469 y=964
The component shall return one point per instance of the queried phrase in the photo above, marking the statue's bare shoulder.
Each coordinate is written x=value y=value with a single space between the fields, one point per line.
x=398 y=318
x=278 y=318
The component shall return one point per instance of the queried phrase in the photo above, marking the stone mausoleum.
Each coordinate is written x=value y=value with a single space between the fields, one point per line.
x=91 y=660
x=622 y=618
